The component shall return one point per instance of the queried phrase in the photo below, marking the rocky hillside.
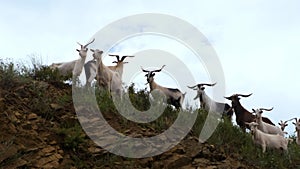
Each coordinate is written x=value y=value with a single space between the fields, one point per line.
x=39 y=129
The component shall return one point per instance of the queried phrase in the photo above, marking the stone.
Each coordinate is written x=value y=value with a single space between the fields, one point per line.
x=32 y=116
x=55 y=106
x=48 y=149
x=180 y=162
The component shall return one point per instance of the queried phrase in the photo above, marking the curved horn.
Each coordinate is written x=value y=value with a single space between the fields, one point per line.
x=88 y=43
x=192 y=87
x=123 y=57
x=229 y=98
x=117 y=56
x=158 y=70
x=266 y=109
x=244 y=95
x=79 y=44
x=145 y=70
x=207 y=84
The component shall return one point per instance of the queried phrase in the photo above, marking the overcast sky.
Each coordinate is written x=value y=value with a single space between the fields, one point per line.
x=257 y=42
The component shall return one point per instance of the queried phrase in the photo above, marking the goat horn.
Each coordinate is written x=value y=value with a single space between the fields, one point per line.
x=229 y=98
x=158 y=70
x=117 y=56
x=89 y=43
x=291 y=119
x=145 y=70
x=192 y=87
x=79 y=44
x=206 y=84
x=244 y=95
x=122 y=59
x=266 y=109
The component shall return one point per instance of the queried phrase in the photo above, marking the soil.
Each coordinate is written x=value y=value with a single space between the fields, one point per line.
x=32 y=136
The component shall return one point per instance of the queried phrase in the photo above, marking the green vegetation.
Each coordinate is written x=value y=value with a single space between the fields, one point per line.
x=228 y=137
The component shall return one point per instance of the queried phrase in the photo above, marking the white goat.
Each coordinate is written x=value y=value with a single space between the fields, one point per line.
x=75 y=66
x=119 y=64
x=91 y=68
x=107 y=78
x=267 y=140
x=265 y=127
x=208 y=104
x=284 y=124
x=174 y=96
x=297 y=125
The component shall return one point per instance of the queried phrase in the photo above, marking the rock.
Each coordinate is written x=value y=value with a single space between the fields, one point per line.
x=32 y=116
x=8 y=153
x=53 y=142
x=202 y=162
x=17 y=164
x=17 y=114
x=56 y=106
x=184 y=160
x=48 y=150
x=179 y=150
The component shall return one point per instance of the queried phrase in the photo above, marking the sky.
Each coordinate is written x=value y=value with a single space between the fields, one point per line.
x=257 y=42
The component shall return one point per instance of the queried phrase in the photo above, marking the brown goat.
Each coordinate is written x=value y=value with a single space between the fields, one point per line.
x=243 y=115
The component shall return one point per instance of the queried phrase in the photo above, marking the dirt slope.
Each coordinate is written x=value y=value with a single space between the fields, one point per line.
x=39 y=129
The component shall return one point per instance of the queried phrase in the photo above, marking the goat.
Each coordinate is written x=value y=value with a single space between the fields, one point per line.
x=283 y=124
x=208 y=104
x=119 y=64
x=91 y=68
x=297 y=124
x=267 y=140
x=75 y=66
x=174 y=96
x=243 y=115
x=107 y=78
x=265 y=127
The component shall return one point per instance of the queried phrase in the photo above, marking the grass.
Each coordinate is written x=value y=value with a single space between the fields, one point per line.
x=226 y=136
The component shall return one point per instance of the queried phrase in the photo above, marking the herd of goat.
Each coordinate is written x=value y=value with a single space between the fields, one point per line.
x=263 y=131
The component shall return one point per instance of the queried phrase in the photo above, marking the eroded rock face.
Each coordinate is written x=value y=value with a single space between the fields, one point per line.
x=36 y=137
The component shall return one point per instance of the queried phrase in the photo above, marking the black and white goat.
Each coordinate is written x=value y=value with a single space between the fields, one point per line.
x=208 y=104
x=174 y=96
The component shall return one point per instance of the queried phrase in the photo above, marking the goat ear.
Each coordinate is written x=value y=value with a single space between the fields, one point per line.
x=279 y=124
x=294 y=123
x=77 y=50
x=286 y=125
x=92 y=50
